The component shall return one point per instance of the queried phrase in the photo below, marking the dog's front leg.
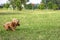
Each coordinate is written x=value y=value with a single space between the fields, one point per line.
x=12 y=28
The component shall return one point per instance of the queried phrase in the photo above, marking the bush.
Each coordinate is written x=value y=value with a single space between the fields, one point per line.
x=41 y=6
x=29 y=6
x=19 y=8
x=6 y=5
x=52 y=5
x=55 y=6
x=49 y=5
x=1 y=6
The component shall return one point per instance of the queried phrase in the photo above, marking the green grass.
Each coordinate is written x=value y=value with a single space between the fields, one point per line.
x=35 y=25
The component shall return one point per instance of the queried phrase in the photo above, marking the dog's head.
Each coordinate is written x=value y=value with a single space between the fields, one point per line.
x=16 y=22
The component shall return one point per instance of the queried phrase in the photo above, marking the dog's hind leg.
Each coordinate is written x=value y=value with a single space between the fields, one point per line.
x=6 y=27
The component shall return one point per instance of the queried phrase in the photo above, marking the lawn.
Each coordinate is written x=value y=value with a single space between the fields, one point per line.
x=35 y=25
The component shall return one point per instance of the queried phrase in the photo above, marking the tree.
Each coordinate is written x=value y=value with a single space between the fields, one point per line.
x=6 y=5
x=17 y=3
x=51 y=3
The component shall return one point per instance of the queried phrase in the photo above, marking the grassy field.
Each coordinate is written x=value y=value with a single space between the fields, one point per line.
x=35 y=25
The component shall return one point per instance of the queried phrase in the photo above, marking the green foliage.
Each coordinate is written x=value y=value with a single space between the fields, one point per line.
x=32 y=6
x=29 y=6
x=55 y=6
x=1 y=7
x=17 y=3
x=6 y=5
x=23 y=2
x=41 y=6
x=49 y=5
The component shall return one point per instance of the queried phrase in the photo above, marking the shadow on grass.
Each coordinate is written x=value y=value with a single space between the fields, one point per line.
x=25 y=29
x=18 y=29
x=10 y=13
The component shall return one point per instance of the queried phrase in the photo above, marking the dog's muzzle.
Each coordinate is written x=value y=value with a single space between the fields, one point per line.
x=18 y=24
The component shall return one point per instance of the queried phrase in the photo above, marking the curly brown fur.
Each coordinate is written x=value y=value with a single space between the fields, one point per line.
x=12 y=25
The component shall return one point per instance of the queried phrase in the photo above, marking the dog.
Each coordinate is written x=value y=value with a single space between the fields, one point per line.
x=12 y=25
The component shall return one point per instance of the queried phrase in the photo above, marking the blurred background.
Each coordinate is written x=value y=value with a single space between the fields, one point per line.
x=30 y=4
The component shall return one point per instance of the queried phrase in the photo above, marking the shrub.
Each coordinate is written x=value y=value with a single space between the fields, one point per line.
x=41 y=6
x=29 y=6
x=55 y=6
x=6 y=5
x=49 y=5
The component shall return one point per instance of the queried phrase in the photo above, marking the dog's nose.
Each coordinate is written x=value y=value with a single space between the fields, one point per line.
x=18 y=24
